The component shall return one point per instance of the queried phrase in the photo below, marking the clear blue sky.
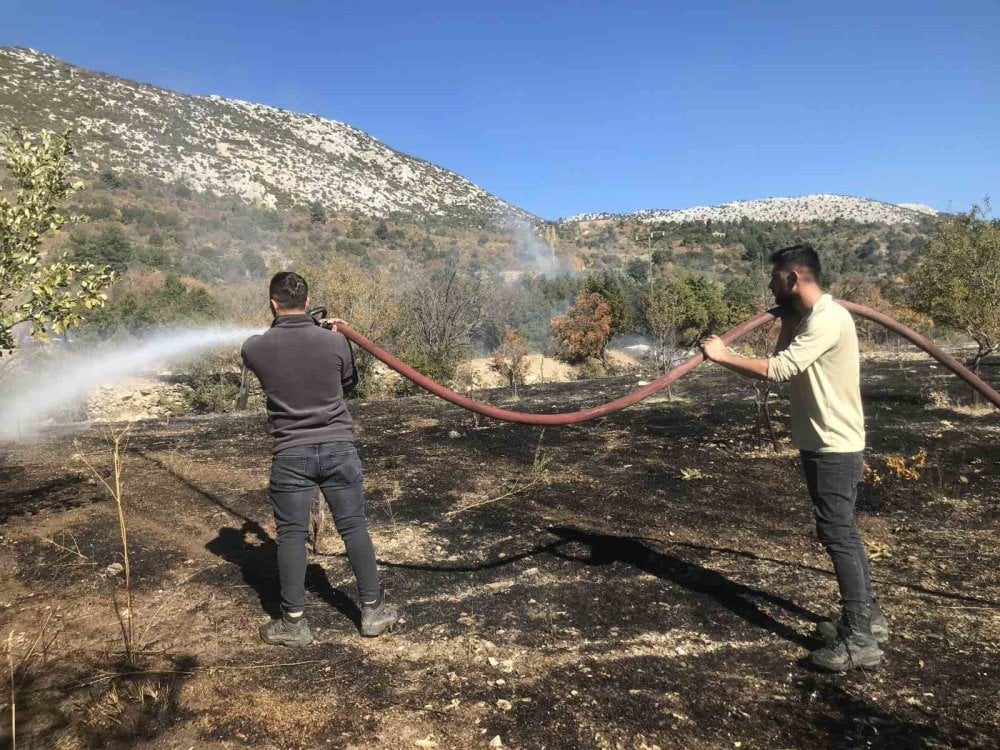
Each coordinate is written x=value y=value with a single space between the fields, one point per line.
x=585 y=106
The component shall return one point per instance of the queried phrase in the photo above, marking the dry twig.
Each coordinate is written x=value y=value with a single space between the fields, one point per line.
x=539 y=475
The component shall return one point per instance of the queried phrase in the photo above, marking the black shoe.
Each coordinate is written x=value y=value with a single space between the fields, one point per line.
x=830 y=630
x=378 y=618
x=286 y=632
x=855 y=647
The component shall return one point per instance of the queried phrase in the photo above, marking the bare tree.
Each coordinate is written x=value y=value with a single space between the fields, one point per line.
x=442 y=311
x=510 y=358
x=365 y=298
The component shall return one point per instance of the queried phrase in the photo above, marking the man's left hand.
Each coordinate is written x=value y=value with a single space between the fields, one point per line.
x=715 y=348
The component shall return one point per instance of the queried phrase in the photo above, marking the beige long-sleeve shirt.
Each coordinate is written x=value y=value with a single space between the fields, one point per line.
x=822 y=368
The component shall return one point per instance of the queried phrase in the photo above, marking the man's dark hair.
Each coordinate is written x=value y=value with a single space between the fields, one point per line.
x=289 y=289
x=798 y=257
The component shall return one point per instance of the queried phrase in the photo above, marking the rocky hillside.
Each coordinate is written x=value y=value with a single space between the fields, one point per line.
x=265 y=155
x=819 y=207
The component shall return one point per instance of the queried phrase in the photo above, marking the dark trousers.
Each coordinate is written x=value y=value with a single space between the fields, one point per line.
x=833 y=480
x=295 y=474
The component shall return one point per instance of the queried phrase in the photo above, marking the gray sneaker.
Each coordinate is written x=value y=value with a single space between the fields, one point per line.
x=378 y=618
x=830 y=630
x=286 y=632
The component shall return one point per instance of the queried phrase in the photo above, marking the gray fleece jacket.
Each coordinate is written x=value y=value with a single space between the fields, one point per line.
x=306 y=371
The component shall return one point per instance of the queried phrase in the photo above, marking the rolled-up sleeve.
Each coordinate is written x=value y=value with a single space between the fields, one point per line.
x=808 y=346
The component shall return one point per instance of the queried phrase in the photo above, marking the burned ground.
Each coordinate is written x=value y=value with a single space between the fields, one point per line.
x=650 y=579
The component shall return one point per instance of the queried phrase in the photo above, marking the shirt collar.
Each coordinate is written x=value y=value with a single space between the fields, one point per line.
x=296 y=320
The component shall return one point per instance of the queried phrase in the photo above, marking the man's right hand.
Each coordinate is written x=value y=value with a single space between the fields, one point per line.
x=332 y=323
x=715 y=348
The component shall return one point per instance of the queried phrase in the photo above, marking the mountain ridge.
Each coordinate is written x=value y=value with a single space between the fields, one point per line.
x=813 y=207
x=263 y=154
x=271 y=156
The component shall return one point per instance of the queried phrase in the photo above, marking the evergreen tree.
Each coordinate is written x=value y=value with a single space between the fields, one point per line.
x=957 y=280
x=317 y=214
x=611 y=287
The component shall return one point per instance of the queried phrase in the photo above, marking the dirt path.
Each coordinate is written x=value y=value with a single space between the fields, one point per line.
x=655 y=587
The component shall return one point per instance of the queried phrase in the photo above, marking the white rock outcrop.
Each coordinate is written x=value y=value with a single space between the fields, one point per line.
x=263 y=154
x=818 y=207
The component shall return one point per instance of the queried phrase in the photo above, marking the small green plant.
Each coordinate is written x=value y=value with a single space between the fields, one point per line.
x=214 y=397
x=217 y=384
x=593 y=368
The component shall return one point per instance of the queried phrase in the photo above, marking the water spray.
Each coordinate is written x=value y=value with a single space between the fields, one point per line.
x=27 y=406
x=63 y=384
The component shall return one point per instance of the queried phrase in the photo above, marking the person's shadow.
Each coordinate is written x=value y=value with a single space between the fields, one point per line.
x=258 y=564
x=736 y=597
x=258 y=561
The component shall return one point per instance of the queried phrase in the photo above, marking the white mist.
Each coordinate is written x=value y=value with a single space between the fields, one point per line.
x=29 y=396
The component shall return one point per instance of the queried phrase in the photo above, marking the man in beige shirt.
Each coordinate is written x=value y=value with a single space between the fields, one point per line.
x=817 y=356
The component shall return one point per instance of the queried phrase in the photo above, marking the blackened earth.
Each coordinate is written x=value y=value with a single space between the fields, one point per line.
x=649 y=579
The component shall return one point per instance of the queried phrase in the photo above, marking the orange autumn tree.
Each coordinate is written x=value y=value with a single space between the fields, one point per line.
x=583 y=331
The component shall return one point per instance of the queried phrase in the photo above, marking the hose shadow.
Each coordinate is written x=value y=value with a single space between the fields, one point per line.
x=606 y=549
x=741 y=600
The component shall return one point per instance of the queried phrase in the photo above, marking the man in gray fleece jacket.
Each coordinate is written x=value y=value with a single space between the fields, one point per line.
x=817 y=355
x=306 y=371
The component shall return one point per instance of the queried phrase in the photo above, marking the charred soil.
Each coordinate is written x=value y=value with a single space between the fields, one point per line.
x=651 y=579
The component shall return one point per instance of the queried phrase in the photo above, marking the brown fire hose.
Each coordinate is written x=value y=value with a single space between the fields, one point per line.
x=572 y=417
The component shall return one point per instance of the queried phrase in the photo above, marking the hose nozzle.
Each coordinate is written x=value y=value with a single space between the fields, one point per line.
x=319 y=315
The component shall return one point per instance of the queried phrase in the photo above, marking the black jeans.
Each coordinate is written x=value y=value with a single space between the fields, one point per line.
x=295 y=474
x=833 y=480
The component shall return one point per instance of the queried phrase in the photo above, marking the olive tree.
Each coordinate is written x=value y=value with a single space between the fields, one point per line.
x=957 y=279
x=50 y=295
